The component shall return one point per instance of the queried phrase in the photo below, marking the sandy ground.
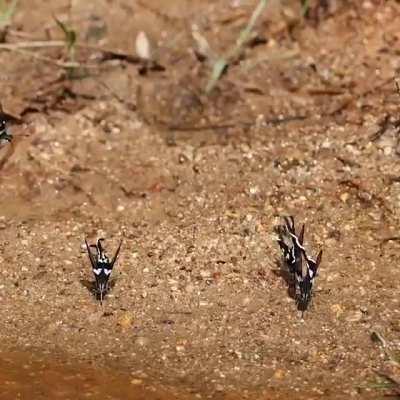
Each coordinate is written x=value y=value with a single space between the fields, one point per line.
x=194 y=185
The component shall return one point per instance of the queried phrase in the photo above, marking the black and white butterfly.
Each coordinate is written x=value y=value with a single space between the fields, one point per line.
x=302 y=267
x=4 y=132
x=101 y=266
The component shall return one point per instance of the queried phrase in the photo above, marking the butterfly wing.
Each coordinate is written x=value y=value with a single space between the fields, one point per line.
x=115 y=255
x=313 y=265
x=298 y=249
x=4 y=132
x=307 y=282
x=296 y=264
x=284 y=242
x=289 y=222
x=90 y=254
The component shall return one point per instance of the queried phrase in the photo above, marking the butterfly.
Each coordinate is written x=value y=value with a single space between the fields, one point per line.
x=4 y=132
x=101 y=266
x=302 y=267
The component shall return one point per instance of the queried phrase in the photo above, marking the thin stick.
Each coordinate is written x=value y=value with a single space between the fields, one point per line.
x=59 y=43
x=222 y=62
x=61 y=64
x=32 y=45
x=43 y=44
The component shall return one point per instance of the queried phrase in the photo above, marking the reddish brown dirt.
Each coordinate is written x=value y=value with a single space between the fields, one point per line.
x=194 y=185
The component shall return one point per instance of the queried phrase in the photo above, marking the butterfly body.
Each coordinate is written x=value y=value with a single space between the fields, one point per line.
x=101 y=266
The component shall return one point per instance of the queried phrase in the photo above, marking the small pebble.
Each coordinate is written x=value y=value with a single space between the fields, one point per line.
x=354 y=316
x=142 y=341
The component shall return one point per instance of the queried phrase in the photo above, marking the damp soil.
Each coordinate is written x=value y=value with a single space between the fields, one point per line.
x=28 y=376
x=303 y=122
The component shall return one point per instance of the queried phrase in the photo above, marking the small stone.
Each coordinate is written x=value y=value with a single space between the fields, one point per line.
x=364 y=309
x=395 y=325
x=246 y=301
x=189 y=288
x=136 y=381
x=367 y=5
x=205 y=273
x=254 y=190
x=337 y=310
x=326 y=144
x=219 y=388
x=344 y=197
x=387 y=151
x=94 y=317
x=354 y=316
x=238 y=354
x=125 y=321
x=142 y=341
x=331 y=277
x=279 y=374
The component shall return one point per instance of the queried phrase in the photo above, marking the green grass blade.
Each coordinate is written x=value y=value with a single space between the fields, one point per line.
x=222 y=62
x=9 y=10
